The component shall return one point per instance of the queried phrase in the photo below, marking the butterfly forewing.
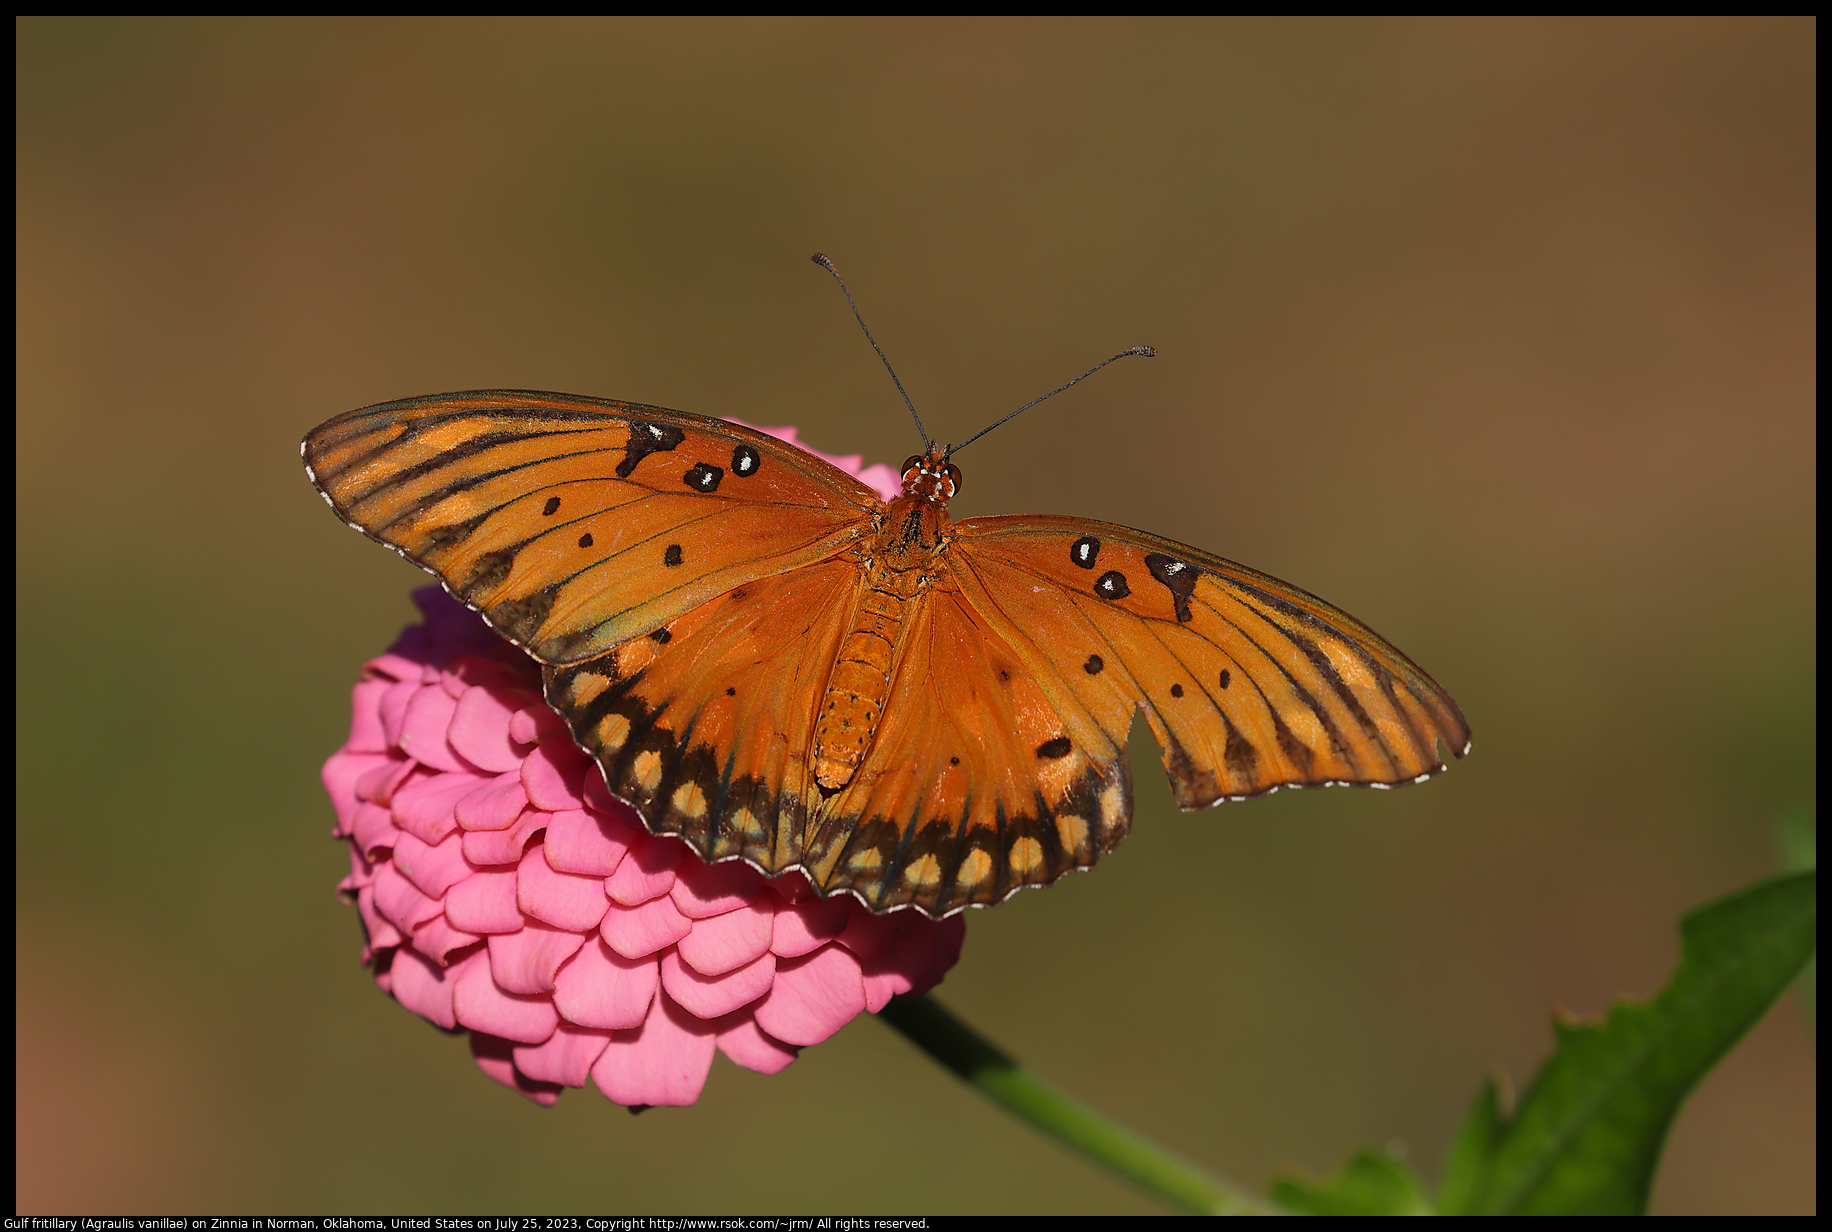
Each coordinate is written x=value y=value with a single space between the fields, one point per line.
x=575 y=524
x=1249 y=684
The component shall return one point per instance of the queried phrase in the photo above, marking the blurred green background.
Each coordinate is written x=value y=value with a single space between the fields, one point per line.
x=1499 y=334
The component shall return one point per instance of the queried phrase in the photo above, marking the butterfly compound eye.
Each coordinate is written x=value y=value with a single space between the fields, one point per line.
x=954 y=477
x=911 y=463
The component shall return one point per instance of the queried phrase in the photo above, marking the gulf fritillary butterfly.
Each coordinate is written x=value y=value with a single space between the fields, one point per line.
x=767 y=660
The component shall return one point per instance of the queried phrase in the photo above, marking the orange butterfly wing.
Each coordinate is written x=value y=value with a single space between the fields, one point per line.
x=974 y=787
x=1248 y=683
x=575 y=524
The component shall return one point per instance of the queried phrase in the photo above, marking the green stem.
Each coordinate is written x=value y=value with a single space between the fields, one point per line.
x=1002 y=1080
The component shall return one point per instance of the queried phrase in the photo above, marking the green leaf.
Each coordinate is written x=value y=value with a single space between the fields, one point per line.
x=1372 y=1183
x=1588 y=1133
x=1466 y=1167
x=1800 y=847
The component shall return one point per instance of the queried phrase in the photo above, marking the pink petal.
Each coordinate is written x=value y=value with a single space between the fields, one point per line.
x=793 y=887
x=715 y=996
x=564 y=900
x=480 y=731
x=918 y=954
x=491 y=847
x=743 y=1042
x=806 y=926
x=493 y=806
x=484 y=902
x=404 y=662
x=727 y=942
x=813 y=997
x=566 y=1058
x=372 y=829
x=438 y=940
x=646 y=873
x=362 y=870
x=424 y=988
x=496 y=1057
x=532 y=724
x=399 y=902
x=637 y=931
x=865 y=934
x=466 y=672
x=602 y=988
x=366 y=732
x=341 y=774
x=524 y=963
x=554 y=774
x=378 y=784
x=379 y=932
x=423 y=805
x=702 y=890
x=598 y=796
x=432 y=869
x=663 y=1062
x=479 y=1004
x=393 y=707
x=582 y=842
x=423 y=726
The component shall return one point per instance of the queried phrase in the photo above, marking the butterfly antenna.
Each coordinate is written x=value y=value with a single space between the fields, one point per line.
x=821 y=260
x=1137 y=350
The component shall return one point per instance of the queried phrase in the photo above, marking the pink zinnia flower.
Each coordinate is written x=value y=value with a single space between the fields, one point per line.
x=505 y=893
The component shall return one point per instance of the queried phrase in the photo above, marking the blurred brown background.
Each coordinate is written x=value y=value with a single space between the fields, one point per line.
x=1500 y=334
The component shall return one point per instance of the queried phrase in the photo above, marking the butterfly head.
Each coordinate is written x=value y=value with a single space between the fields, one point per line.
x=931 y=476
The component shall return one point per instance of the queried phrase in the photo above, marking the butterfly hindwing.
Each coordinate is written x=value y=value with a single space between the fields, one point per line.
x=574 y=524
x=704 y=725
x=1248 y=683
x=973 y=788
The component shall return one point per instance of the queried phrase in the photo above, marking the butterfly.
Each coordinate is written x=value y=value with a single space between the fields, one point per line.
x=769 y=661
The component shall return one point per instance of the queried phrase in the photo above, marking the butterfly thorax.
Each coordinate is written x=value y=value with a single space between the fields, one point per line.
x=900 y=560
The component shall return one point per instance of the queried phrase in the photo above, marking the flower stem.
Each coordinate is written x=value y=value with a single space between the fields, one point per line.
x=1001 y=1079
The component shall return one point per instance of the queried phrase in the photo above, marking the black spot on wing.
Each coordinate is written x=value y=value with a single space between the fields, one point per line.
x=1093 y=665
x=1227 y=677
x=1176 y=690
x=745 y=461
x=661 y=637
x=551 y=507
x=647 y=438
x=1112 y=585
x=1176 y=576
x=703 y=477
x=1084 y=551
x=1053 y=749
x=585 y=540
x=672 y=556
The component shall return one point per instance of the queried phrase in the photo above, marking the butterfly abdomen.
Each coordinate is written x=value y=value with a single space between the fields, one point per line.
x=900 y=558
